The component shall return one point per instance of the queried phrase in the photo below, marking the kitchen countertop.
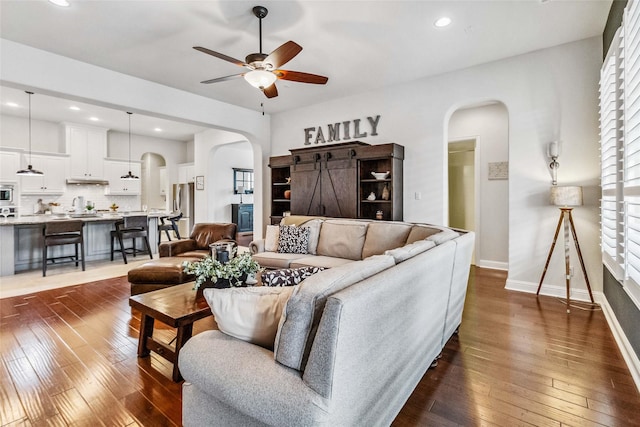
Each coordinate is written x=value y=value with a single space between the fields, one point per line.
x=99 y=217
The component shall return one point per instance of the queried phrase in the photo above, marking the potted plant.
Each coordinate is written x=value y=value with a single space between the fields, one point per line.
x=212 y=273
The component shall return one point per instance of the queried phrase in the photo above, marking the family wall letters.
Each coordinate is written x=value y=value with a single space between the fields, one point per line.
x=340 y=131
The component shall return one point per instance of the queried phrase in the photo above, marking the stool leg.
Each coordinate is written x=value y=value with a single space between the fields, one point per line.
x=44 y=259
x=124 y=255
x=167 y=233
x=134 y=247
x=146 y=241
x=82 y=250
x=77 y=259
x=175 y=230
x=112 y=238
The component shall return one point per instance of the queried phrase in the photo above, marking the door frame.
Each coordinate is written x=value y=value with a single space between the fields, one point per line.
x=476 y=189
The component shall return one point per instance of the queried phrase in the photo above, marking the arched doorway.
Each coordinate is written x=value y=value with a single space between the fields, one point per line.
x=478 y=174
x=153 y=180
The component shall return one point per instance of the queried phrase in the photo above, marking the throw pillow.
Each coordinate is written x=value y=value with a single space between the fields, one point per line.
x=293 y=240
x=271 y=238
x=288 y=276
x=250 y=314
x=314 y=234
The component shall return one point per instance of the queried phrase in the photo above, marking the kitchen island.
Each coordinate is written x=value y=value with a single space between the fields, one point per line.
x=21 y=239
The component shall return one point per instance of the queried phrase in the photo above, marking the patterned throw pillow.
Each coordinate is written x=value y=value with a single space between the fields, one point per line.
x=288 y=276
x=293 y=240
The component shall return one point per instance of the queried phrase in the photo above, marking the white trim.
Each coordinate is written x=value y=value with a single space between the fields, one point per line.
x=629 y=355
x=551 y=290
x=494 y=265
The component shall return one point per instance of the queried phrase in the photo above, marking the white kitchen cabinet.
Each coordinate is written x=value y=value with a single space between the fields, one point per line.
x=87 y=146
x=114 y=169
x=53 y=181
x=186 y=173
x=9 y=165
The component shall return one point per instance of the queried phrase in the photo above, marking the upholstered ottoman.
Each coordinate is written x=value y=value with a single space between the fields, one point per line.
x=158 y=274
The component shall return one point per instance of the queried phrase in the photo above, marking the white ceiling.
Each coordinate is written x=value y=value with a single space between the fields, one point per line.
x=360 y=45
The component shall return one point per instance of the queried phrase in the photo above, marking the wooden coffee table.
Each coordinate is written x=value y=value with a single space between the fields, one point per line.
x=176 y=306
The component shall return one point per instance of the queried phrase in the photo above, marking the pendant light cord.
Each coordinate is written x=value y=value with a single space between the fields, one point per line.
x=129 y=141
x=29 y=93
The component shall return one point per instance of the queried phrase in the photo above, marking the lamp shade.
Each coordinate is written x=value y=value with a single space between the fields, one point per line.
x=566 y=196
x=260 y=78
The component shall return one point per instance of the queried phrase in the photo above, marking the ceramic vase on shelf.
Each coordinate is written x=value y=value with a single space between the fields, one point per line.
x=385 y=192
x=287 y=194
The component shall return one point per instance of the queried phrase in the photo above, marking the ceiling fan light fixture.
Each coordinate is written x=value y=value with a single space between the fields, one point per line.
x=260 y=79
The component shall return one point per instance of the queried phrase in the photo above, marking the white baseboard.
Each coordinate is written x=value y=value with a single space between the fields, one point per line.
x=494 y=265
x=549 y=290
x=624 y=345
x=629 y=355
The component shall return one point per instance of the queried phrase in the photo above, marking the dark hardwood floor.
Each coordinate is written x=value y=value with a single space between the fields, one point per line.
x=69 y=358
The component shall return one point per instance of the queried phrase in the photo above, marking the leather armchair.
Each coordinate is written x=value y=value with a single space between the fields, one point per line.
x=197 y=245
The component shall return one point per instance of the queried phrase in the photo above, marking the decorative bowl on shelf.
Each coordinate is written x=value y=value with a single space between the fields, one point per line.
x=380 y=175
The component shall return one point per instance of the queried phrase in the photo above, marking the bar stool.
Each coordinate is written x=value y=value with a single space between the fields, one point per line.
x=167 y=227
x=131 y=227
x=58 y=233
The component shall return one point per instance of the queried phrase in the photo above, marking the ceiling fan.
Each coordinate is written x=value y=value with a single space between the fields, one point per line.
x=264 y=69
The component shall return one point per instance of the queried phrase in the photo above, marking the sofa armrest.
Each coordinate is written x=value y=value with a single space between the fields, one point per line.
x=246 y=377
x=256 y=246
x=176 y=247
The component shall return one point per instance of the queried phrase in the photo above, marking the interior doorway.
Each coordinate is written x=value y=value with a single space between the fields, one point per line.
x=478 y=148
x=462 y=184
x=153 y=180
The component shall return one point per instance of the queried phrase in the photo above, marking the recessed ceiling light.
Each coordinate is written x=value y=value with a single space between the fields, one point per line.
x=157 y=129
x=74 y=108
x=94 y=119
x=63 y=3
x=11 y=104
x=442 y=22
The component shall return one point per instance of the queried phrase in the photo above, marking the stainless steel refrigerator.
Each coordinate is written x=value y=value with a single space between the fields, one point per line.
x=183 y=201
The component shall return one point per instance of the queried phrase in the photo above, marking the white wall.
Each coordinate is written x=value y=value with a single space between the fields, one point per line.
x=45 y=136
x=549 y=94
x=227 y=157
x=490 y=126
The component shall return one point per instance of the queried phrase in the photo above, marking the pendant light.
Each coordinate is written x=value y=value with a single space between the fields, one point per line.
x=29 y=170
x=129 y=176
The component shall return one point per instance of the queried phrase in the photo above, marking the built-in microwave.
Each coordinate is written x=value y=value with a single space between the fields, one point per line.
x=6 y=195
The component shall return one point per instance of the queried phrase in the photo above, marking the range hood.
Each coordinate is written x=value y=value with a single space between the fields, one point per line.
x=88 y=181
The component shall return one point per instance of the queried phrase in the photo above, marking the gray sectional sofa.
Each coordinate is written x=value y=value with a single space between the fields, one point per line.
x=353 y=340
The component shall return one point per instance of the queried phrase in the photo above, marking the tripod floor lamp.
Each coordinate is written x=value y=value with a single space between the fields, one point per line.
x=565 y=197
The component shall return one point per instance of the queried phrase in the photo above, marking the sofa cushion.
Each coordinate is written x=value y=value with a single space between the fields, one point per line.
x=319 y=261
x=421 y=232
x=342 y=239
x=251 y=314
x=288 y=276
x=384 y=235
x=443 y=236
x=271 y=238
x=293 y=240
x=314 y=226
x=275 y=259
x=206 y=233
x=302 y=313
x=409 y=251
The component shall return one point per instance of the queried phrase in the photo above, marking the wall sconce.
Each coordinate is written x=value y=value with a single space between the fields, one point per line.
x=553 y=152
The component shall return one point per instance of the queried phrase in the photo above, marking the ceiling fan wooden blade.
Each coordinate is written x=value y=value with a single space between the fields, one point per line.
x=285 y=53
x=221 y=56
x=297 y=76
x=222 y=79
x=271 y=91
